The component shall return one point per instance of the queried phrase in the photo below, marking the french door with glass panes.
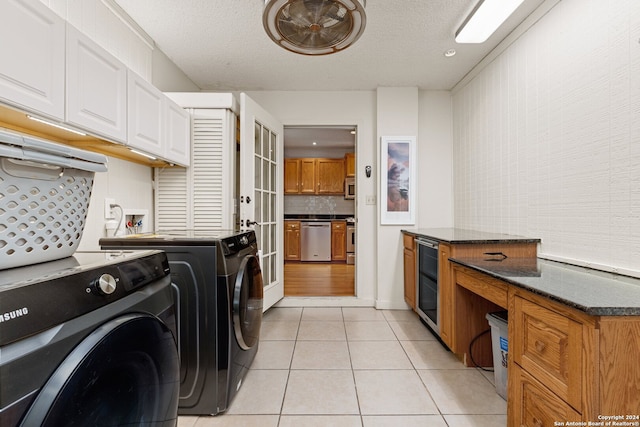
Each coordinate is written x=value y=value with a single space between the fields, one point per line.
x=261 y=191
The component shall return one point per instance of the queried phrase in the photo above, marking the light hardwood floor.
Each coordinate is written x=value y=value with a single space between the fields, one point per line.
x=319 y=279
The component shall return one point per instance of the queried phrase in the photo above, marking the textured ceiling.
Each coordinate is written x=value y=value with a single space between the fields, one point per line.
x=222 y=46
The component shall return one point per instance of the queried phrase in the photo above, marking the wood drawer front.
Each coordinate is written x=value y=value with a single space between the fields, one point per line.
x=495 y=291
x=407 y=241
x=549 y=346
x=292 y=225
x=338 y=225
x=533 y=405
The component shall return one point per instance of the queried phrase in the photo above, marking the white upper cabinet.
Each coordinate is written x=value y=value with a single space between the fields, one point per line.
x=32 y=49
x=157 y=125
x=178 y=133
x=96 y=88
x=145 y=115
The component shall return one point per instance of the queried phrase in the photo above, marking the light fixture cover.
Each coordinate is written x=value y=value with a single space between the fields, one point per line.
x=314 y=27
x=485 y=19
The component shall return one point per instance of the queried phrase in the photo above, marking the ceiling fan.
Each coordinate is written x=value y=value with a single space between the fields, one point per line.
x=314 y=27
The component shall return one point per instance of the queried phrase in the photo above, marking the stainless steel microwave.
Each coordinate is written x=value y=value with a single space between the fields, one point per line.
x=350 y=188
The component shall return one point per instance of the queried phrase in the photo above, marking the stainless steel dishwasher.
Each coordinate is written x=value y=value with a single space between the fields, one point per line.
x=315 y=241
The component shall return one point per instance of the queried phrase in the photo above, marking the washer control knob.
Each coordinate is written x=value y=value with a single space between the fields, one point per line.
x=105 y=284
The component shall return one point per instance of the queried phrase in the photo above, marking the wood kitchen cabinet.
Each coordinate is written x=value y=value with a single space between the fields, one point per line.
x=563 y=364
x=409 y=246
x=292 y=240
x=314 y=176
x=330 y=174
x=308 y=176
x=567 y=365
x=291 y=176
x=338 y=240
x=350 y=164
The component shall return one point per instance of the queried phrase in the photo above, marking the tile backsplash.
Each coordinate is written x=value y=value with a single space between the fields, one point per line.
x=325 y=205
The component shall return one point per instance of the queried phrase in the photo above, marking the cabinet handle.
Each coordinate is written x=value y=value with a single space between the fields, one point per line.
x=540 y=346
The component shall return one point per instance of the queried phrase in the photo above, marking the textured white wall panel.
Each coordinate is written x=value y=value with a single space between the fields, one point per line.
x=547 y=137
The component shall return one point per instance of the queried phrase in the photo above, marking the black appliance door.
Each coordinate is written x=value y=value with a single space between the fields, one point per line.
x=124 y=373
x=247 y=302
x=428 y=282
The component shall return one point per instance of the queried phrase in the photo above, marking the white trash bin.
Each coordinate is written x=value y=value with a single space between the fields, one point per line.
x=499 y=347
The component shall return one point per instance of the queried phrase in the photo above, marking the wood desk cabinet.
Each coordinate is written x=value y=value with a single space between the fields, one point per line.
x=409 y=257
x=563 y=365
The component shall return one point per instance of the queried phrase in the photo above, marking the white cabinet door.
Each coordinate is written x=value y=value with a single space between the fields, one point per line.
x=145 y=115
x=32 y=44
x=177 y=133
x=96 y=88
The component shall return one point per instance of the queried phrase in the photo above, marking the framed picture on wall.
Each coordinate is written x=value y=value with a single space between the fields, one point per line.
x=398 y=180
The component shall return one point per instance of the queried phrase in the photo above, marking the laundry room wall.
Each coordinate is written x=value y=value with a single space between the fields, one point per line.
x=547 y=137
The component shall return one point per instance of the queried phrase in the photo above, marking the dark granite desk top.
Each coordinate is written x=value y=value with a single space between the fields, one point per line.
x=458 y=235
x=594 y=292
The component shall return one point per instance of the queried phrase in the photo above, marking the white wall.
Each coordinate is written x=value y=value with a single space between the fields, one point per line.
x=547 y=137
x=130 y=185
x=397 y=115
x=435 y=154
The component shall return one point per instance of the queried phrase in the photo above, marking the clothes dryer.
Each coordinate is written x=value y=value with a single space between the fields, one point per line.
x=89 y=340
x=218 y=294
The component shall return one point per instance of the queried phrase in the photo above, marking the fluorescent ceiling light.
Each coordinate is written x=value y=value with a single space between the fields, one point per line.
x=55 y=125
x=140 y=153
x=485 y=18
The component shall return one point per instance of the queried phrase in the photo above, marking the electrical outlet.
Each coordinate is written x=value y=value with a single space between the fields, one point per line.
x=370 y=200
x=108 y=212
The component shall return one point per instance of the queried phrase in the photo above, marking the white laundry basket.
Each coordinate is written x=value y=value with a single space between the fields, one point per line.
x=45 y=190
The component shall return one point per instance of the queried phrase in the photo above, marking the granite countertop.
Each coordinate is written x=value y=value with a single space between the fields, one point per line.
x=316 y=217
x=594 y=292
x=458 y=235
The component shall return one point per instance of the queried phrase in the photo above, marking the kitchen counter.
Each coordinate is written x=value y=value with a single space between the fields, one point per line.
x=591 y=291
x=461 y=236
x=316 y=217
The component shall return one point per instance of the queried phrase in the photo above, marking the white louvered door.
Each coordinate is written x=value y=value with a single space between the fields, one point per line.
x=201 y=197
x=261 y=191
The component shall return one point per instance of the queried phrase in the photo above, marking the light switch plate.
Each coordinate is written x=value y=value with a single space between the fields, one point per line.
x=371 y=200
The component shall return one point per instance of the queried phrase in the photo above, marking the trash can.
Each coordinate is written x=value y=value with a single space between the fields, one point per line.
x=499 y=347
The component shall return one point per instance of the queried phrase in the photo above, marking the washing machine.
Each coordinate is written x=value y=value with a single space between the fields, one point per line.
x=219 y=291
x=89 y=340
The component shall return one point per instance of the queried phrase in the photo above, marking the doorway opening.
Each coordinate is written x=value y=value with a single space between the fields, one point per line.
x=319 y=210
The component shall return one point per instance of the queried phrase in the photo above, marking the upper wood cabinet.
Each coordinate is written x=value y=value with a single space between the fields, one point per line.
x=350 y=164
x=308 y=177
x=291 y=176
x=314 y=176
x=96 y=88
x=330 y=176
x=33 y=57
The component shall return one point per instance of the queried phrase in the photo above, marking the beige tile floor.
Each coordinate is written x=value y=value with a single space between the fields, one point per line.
x=356 y=367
